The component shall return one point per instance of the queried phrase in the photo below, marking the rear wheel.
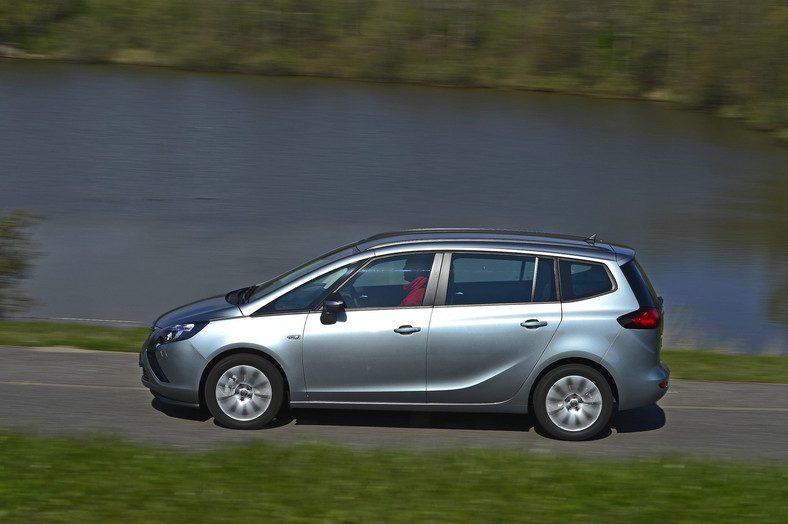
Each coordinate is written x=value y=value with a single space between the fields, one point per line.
x=244 y=391
x=573 y=402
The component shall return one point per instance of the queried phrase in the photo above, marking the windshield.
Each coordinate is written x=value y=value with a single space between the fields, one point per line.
x=294 y=274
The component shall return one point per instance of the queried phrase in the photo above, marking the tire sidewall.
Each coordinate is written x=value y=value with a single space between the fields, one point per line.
x=540 y=398
x=267 y=368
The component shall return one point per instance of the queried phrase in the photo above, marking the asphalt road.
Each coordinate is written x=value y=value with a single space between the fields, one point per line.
x=75 y=392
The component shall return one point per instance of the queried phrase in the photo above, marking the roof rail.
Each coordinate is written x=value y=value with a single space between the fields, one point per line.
x=470 y=230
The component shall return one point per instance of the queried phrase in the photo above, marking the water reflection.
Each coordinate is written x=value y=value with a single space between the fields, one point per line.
x=755 y=217
x=163 y=187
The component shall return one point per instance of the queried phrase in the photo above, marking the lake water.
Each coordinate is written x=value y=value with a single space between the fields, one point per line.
x=161 y=187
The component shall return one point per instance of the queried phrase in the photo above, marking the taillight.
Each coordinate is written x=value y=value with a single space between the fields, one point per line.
x=643 y=318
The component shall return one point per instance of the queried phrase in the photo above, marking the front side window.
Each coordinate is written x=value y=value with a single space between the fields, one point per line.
x=580 y=279
x=294 y=274
x=500 y=279
x=306 y=296
x=399 y=281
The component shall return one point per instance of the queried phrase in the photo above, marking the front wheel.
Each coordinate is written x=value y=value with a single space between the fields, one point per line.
x=573 y=402
x=244 y=391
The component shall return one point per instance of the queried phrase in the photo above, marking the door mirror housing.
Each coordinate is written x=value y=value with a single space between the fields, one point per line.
x=334 y=303
x=331 y=306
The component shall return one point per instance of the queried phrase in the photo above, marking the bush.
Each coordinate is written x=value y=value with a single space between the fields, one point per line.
x=17 y=254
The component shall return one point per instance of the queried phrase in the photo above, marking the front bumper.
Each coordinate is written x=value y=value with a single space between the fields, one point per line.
x=172 y=372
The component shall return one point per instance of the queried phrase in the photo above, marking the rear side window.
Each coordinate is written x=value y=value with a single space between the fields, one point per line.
x=580 y=279
x=640 y=284
x=500 y=279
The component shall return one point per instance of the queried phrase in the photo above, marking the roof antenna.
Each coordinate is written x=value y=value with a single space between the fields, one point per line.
x=592 y=239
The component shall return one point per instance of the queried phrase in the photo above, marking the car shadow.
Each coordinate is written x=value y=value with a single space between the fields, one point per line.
x=203 y=415
x=182 y=412
x=646 y=418
x=411 y=419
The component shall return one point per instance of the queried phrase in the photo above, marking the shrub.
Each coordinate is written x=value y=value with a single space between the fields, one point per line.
x=17 y=255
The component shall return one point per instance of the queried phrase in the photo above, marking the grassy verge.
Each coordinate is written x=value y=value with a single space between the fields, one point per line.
x=49 y=334
x=697 y=365
x=712 y=365
x=105 y=480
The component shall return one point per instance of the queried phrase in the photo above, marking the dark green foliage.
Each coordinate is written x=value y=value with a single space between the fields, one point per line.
x=22 y=21
x=719 y=55
x=17 y=254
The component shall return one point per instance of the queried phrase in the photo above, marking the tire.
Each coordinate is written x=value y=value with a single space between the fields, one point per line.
x=244 y=391
x=573 y=402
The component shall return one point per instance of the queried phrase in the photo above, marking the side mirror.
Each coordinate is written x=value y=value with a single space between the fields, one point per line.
x=332 y=305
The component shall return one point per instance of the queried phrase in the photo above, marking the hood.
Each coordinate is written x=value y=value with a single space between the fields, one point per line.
x=212 y=308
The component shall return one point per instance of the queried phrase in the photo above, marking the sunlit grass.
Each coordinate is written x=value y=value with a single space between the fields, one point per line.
x=49 y=334
x=713 y=365
x=107 y=480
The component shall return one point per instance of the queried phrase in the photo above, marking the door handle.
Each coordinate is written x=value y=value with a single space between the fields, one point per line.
x=407 y=330
x=533 y=324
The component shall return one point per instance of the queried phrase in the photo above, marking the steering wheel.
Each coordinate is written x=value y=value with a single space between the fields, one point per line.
x=350 y=296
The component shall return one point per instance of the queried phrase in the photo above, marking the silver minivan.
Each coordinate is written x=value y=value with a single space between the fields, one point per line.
x=434 y=320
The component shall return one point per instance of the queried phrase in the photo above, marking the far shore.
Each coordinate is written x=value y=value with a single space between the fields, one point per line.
x=657 y=96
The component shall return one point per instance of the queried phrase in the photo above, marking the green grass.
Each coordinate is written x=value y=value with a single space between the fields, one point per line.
x=697 y=365
x=107 y=480
x=49 y=334
x=714 y=365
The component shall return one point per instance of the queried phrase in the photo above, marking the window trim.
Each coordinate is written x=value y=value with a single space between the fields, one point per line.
x=556 y=280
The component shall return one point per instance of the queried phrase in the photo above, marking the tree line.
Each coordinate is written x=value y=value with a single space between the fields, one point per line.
x=725 y=56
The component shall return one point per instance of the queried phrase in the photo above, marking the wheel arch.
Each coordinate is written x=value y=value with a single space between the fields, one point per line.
x=239 y=351
x=572 y=360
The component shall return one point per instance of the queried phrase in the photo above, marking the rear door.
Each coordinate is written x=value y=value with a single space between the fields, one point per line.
x=495 y=314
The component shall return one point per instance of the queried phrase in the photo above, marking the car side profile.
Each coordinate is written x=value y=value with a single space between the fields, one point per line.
x=435 y=320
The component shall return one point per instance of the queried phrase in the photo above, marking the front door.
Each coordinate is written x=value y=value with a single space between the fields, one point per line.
x=375 y=349
x=361 y=358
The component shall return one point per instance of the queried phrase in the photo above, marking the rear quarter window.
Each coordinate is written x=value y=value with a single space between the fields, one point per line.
x=641 y=287
x=581 y=279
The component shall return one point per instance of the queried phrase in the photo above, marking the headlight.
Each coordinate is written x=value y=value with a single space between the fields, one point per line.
x=178 y=332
